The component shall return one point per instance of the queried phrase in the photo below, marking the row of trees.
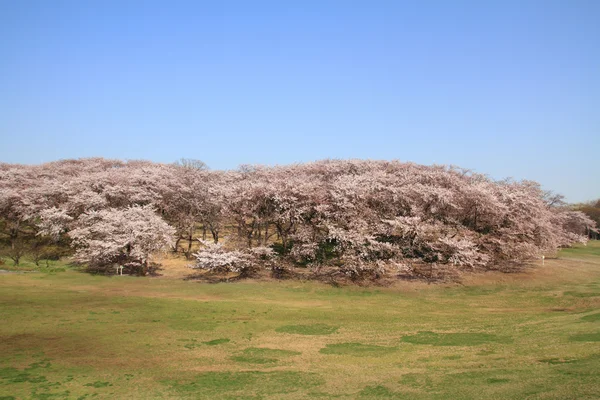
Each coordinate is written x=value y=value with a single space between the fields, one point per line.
x=355 y=216
x=592 y=210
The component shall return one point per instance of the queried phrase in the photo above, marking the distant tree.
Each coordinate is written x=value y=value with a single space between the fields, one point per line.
x=18 y=249
x=13 y=203
x=214 y=257
x=576 y=226
x=191 y=163
x=44 y=248
x=592 y=210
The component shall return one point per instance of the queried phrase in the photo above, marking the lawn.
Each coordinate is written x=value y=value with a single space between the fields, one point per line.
x=534 y=334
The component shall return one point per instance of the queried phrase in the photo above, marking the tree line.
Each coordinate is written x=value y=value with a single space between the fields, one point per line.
x=354 y=217
x=592 y=210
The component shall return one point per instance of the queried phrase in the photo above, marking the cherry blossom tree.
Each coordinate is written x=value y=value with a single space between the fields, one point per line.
x=357 y=216
x=128 y=237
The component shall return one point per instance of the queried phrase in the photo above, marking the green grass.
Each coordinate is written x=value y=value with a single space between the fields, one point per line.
x=71 y=335
x=314 y=329
x=245 y=384
x=455 y=339
x=356 y=349
x=262 y=355
x=27 y=265
x=586 y=337
x=592 y=249
x=591 y=318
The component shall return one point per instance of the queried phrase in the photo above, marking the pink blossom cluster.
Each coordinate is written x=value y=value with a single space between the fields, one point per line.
x=351 y=214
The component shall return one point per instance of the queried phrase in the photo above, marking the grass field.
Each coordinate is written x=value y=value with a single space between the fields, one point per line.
x=534 y=334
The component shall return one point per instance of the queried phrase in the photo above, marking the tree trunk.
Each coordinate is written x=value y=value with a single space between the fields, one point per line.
x=188 y=253
x=144 y=269
x=266 y=232
x=283 y=234
x=14 y=233
x=259 y=236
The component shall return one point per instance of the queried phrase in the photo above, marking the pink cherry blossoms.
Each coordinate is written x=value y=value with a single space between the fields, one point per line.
x=350 y=215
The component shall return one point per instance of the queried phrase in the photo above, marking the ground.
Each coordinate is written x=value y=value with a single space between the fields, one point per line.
x=535 y=334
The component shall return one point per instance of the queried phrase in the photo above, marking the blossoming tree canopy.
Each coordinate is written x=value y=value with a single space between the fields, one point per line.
x=354 y=215
x=128 y=236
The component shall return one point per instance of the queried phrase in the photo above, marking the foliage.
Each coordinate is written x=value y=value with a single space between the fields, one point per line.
x=127 y=236
x=214 y=257
x=592 y=210
x=353 y=215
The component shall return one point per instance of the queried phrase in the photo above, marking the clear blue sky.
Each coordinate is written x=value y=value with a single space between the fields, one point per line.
x=508 y=88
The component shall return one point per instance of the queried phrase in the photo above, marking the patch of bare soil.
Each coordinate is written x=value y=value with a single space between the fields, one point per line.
x=173 y=267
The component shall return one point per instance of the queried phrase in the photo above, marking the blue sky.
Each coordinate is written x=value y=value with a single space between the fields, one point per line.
x=507 y=88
